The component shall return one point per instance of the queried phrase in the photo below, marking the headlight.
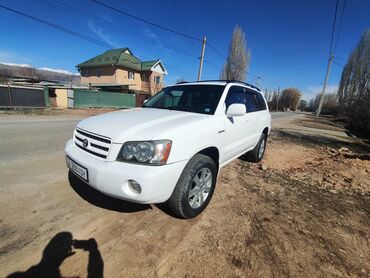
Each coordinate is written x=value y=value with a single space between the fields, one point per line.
x=151 y=152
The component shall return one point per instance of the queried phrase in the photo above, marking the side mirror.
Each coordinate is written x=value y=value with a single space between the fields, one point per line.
x=235 y=110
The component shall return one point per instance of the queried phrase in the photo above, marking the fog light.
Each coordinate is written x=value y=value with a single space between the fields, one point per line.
x=134 y=186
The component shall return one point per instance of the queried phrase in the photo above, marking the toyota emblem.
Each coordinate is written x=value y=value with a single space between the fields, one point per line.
x=85 y=143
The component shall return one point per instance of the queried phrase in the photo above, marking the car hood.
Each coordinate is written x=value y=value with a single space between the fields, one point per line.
x=138 y=123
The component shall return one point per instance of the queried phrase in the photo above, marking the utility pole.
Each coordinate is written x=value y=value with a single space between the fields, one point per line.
x=318 y=111
x=278 y=97
x=202 y=58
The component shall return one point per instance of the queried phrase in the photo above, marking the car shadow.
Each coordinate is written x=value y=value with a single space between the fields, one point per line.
x=166 y=209
x=244 y=158
x=101 y=200
x=59 y=248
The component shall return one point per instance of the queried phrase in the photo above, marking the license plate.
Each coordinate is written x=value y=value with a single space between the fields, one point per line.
x=77 y=169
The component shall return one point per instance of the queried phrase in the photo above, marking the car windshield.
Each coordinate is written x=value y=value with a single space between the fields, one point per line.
x=201 y=99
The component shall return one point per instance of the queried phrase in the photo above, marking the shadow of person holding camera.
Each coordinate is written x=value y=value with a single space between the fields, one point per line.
x=59 y=248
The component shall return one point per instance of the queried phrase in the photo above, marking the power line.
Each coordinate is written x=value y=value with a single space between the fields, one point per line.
x=173 y=67
x=67 y=9
x=106 y=45
x=166 y=29
x=60 y=28
x=223 y=56
x=335 y=62
x=179 y=16
x=340 y=25
x=333 y=29
x=331 y=58
x=186 y=58
x=146 y=21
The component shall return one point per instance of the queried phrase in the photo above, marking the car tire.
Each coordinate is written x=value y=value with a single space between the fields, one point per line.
x=257 y=153
x=194 y=188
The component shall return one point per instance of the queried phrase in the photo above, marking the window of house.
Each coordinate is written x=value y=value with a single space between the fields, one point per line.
x=85 y=72
x=145 y=78
x=131 y=75
x=157 y=79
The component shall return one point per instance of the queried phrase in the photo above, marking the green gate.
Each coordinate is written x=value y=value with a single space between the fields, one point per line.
x=97 y=99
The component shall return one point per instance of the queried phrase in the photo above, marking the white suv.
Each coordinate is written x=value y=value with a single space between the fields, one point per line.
x=171 y=148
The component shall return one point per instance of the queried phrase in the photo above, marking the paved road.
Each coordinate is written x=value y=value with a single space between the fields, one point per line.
x=36 y=136
x=37 y=201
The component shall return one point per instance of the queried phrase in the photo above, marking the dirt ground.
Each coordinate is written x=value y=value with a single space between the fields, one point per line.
x=304 y=211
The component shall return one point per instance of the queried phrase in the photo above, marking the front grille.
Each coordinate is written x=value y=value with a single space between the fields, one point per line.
x=97 y=145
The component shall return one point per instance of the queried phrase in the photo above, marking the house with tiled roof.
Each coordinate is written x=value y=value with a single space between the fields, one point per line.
x=120 y=70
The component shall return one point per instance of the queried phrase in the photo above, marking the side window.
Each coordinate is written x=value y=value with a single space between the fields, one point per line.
x=252 y=103
x=261 y=102
x=236 y=94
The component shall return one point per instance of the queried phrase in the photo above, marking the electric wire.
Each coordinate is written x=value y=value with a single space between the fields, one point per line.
x=68 y=8
x=146 y=21
x=333 y=29
x=79 y=35
x=55 y=26
x=340 y=25
x=179 y=16
x=166 y=29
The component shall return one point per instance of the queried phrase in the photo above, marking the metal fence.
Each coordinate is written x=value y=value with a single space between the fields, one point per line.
x=16 y=96
x=95 y=99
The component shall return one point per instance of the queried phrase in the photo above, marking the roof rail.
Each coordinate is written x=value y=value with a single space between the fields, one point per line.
x=244 y=83
x=227 y=81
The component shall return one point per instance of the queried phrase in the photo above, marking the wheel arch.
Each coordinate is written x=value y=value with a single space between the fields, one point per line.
x=213 y=153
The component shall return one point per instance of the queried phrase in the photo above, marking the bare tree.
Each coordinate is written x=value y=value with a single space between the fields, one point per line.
x=303 y=105
x=330 y=103
x=290 y=98
x=354 y=87
x=238 y=58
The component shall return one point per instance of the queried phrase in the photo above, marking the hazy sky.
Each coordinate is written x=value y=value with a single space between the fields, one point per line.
x=289 y=40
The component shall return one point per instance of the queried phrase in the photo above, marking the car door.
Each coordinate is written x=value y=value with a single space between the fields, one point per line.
x=254 y=115
x=238 y=130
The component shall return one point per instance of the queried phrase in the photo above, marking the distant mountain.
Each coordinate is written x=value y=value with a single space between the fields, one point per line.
x=38 y=75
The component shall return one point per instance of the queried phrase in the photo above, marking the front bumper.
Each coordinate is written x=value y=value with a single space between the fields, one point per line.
x=111 y=177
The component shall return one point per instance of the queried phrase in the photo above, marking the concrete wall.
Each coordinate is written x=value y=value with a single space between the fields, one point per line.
x=86 y=99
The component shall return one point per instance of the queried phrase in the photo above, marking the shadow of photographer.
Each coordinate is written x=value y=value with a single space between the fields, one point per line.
x=59 y=248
